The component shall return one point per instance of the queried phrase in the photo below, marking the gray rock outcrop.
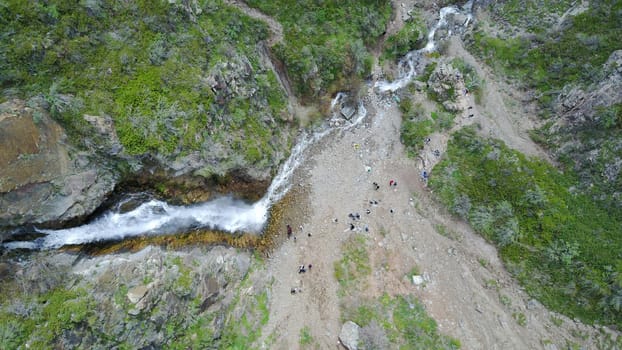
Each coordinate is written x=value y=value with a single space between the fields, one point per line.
x=578 y=105
x=349 y=335
x=42 y=177
x=132 y=298
x=585 y=129
x=446 y=83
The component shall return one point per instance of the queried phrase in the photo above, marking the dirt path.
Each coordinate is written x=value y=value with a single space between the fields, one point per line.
x=502 y=115
x=302 y=113
x=276 y=29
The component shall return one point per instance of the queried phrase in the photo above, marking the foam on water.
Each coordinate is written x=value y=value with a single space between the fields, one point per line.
x=407 y=65
x=155 y=217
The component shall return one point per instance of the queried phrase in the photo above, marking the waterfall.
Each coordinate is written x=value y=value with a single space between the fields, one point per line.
x=156 y=217
x=227 y=213
x=407 y=65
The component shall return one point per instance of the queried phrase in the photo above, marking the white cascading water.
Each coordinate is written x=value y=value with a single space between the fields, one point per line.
x=156 y=217
x=407 y=64
x=225 y=213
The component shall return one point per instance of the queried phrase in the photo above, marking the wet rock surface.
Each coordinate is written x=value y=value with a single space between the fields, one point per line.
x=42 y=177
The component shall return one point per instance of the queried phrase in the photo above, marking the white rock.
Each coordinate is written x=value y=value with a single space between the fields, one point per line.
x=418 y=280
x=349 y=335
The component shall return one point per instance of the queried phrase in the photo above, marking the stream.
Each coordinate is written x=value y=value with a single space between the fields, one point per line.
x=156 y=217
x=227 y=213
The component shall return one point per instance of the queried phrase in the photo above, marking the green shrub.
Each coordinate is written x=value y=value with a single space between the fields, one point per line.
x=444 y=120
x=324 y=42
x=416 y=127
x=573 y=55
x=414 y=133
x=412 y=36
x=305 y=336
x=144 y=64
x=52 y=313
x=559 y=243
x=354 y=266
x=472 y=81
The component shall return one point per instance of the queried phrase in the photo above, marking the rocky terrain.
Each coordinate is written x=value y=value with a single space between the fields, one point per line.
x=66 y=151
x=374 y=260
x=44 y=178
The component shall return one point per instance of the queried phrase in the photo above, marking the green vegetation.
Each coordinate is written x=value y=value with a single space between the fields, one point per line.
x=243 y=327
x=529 y=13
x=592 y=149
x=325 y=41
x=443 y=121
x=416 y=126
x=561 y=245
x=412 y=36
x=174 y=78
x=183 y=283
x=471 y=80
x=520 y=318
x=445 y=231
x=427 y=72
x=305 y=336
x=354 y=265
x=43 y=318
x=398 y=322
x=574 y=54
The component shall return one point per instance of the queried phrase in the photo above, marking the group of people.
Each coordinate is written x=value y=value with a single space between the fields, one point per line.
x=303 y=268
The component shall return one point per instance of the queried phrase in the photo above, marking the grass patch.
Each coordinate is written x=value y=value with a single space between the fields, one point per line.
x=547 y=63
x=561 y=245
x=243 y=327
x=305 y=336
x=354 y=265
x=325 y=43
x=472 y=81
x=446 y=232
x=416 y=126
x=398 y=322
x=520 y=318
x=529 y=14
x=48 y=316
x=443 y=120
x=592 y=149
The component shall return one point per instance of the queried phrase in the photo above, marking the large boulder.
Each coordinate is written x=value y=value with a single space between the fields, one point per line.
x=43 y=178
x=349 y=335
x=446 y=83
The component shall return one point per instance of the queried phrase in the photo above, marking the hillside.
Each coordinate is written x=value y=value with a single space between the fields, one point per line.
x=462 y=191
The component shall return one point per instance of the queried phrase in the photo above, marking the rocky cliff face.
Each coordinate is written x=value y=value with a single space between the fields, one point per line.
x=580 y=105
x=586 y=131
x=151 y=94
x=142 y=300
x=42 y=177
